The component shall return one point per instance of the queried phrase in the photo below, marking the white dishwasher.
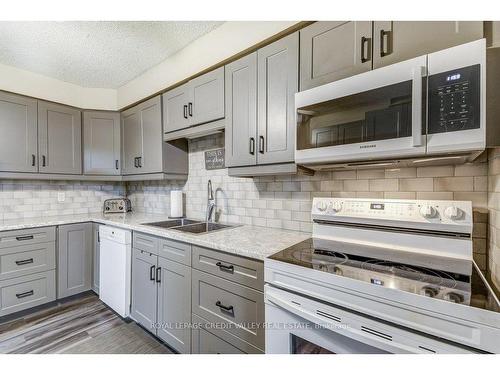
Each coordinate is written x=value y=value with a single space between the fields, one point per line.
x=115 y=268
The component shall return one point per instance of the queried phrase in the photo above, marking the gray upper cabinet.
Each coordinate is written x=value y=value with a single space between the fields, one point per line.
x=206 y=102
x=74 y=260
x=59 y=139
x=175 y=109
x=18 y=129
x=174 y=305
x=101 y=143
x=241 y=111
x=396 y=41
x=277 y=82
x=196 y=102
x=144 y=289
x=334 y=50
x=142 y=138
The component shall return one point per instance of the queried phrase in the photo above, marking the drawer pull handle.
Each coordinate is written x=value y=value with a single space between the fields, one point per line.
x=158 y=275
x=24 y=261
x=223 y=307
x=25 y=294
x=152 y=273
x=24 y=238
x=225 y=267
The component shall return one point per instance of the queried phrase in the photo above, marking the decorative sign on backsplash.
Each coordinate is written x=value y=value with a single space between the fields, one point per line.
x=214 y=159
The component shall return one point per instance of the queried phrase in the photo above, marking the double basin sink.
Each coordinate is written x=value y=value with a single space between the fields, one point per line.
x=190 y=226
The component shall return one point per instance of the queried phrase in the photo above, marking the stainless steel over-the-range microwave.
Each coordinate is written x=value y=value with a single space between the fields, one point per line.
x=430 y=105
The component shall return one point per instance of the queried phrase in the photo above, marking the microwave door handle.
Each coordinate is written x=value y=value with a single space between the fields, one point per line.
x=416 y=117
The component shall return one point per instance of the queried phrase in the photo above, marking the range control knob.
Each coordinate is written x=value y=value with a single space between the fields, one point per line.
x=453 y=213
x=335 y=206
x=321 y=206
x=429 y=291
x=454 y=297
x=428 y=212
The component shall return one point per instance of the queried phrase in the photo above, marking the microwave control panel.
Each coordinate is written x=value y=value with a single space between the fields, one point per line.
x=454 y=100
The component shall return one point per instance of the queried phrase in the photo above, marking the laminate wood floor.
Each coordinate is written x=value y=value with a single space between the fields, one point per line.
x=81 y=326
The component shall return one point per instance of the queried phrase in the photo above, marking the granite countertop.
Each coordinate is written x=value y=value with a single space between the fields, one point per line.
x=245 y=240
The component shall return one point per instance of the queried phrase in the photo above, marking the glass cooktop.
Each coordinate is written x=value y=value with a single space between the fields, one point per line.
x=453 y=280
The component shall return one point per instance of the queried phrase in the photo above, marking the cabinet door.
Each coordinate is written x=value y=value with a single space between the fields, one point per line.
x=174 y=305
x=277 y=73
x=95 y=259
x=334 y=50
x=175 y=109
x=402 y=40
x=144 y=289
x=241 y=111
x=18 y=129
x=206 y=101
x=59 y=139
x=132 y=145
x=74 y=261
x=101 y=143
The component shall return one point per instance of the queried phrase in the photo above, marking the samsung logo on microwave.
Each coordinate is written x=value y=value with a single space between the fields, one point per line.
x=367 y=146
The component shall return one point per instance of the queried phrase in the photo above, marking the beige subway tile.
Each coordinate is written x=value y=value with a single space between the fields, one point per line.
x=370 y=174
x=478 y=199
x=334 y=185
x=454 y=184
x=401 y=173
x=370 y=194
x=471 y=169
x=344 y=175
x=416 y=184
x=384 y=185
x=284 y=215
x=356 y=185
x=437 y=171
x=435 y=195
x=400 y=195
x=310 y=186
x=344 y=194
x=481 y=183
x=494 y=166
x=301 y=216
x=291 y=186
x=275 y=186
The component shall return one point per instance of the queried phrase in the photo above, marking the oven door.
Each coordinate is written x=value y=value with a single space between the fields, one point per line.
x=373 y=115
x=300 y=325
x=456 y=96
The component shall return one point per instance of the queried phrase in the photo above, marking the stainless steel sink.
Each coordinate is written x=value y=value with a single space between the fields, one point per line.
x=203 y=227
x=173 y=223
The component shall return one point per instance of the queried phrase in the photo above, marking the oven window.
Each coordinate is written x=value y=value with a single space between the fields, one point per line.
x=302 y=346
x=382 y=113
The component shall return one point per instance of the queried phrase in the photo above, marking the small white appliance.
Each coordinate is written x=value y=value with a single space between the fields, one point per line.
x=381 y=276
x=117 y=205
x=429 y=105
x=115 y=268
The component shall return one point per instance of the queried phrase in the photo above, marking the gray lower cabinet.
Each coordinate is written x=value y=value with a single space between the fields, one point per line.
x=395 y=41
x=95 y=258
x=74 y=260
x=174 y=305
x=101 y=143
x=277 y=82
x=27 y=268
x=18 y=129
x=144 y=289
x=332 y=50
x=196 y=102
x=241 y=111
x=59 y=138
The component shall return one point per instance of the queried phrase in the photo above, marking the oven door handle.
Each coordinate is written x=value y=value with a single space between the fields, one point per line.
x=416 y=116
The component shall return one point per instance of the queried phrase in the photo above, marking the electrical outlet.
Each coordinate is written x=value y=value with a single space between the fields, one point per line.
x=61 y=196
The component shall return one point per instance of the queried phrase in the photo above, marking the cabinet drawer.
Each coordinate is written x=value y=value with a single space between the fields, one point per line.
x=27 y=291
x=231 y=267
x=238 y=309
x=27 y=259
x=176 y=251
x=27 y=236
x=207 y=340
x=146 y=243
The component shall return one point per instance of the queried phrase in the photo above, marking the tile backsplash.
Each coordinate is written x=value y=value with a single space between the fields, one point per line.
x=28 y=199
x=494 y=215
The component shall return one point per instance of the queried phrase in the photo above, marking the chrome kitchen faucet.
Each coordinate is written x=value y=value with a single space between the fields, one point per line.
x=210 y=201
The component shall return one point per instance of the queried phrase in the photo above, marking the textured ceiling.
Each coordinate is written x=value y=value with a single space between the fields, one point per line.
x=104 y=54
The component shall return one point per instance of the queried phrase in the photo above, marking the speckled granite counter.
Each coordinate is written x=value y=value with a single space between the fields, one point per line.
x=245 y=240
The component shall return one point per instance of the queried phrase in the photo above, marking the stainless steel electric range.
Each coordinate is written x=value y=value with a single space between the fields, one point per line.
x=381 y=276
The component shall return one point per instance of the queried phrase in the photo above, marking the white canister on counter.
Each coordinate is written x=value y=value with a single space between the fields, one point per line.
x=176 y=203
